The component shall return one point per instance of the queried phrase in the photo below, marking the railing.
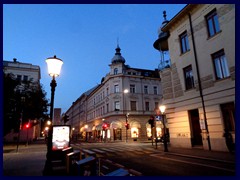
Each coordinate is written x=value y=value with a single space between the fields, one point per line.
x=164 y=64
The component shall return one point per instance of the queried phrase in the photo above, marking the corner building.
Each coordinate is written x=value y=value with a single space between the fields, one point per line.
x=125 y=96
x=198 y=80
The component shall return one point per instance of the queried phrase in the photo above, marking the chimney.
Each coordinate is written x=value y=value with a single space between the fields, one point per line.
x=14 y=60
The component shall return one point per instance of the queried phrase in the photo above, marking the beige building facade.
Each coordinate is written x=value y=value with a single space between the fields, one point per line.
x=125 y=96
x=199 y=84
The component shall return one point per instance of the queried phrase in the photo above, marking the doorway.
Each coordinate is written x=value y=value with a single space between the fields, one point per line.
x=196 y=138
x=117 y=134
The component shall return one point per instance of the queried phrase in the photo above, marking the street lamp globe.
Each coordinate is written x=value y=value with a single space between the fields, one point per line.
x=162 y=109
x=54 y=66
x=125 y=91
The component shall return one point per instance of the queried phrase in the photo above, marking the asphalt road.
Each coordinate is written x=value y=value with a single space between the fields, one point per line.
x=142 y=157
x=154 y=162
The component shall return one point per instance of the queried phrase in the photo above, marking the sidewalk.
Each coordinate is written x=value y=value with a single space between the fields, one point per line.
x=30 y=160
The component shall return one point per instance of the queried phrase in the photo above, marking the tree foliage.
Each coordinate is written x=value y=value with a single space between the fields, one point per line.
x=25 y=100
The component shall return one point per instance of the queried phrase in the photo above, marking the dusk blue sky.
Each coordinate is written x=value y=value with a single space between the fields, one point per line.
x=84 y=37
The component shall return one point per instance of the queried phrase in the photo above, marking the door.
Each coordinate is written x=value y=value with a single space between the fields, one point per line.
x=117 y=134
x=195 y=128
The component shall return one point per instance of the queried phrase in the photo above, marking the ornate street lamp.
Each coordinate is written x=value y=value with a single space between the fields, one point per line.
x=162 y=109
x=54 y=67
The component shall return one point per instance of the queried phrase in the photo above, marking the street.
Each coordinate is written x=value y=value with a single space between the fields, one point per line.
x=141 y=157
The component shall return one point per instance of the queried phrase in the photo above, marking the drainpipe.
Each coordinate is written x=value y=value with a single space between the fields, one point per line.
x=199 y=82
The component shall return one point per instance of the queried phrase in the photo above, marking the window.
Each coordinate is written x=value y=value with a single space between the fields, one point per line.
x=19 y=78
x=220 y=65
x=116 y=88
x=107 y=91
x=132 y=88
x=184 y=42
x=188 y=75
x=147 y=106
x=145 y=89
x=117 y=105
x=155 y=90
x=212 y=23
x=115 y=71
x=133 y=105
x=25 y=78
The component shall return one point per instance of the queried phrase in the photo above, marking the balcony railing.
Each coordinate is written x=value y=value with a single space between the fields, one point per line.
x=164 y=64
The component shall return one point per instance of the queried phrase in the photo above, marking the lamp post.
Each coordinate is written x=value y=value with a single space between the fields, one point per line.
x=20 y=122
x=162 y=109
x=127 y=126
x=54 y=67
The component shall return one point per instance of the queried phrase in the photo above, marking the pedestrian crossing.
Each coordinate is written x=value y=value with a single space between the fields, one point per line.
x=111 y=148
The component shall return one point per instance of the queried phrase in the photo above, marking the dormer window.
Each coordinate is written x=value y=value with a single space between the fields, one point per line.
x=115 y=71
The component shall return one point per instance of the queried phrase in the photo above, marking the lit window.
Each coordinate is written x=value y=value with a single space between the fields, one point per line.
x=220 y=65
x=184 y=42
x=212 y=23
x=188 y=75
x=134 y=132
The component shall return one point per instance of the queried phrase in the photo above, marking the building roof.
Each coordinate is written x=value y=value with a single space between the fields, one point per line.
x=117 y=58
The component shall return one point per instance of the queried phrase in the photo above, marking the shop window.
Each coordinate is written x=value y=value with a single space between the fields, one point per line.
x=134 y=132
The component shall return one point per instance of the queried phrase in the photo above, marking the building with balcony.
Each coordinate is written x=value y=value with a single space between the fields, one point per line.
x=199 y=82
x=125 y=96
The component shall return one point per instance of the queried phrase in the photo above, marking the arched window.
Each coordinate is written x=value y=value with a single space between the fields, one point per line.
x=115 y=71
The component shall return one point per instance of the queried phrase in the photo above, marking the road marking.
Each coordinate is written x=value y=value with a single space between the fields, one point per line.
x=187 y=162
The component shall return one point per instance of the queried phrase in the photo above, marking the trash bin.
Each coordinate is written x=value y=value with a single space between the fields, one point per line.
x=65 y=152
x=71 y=158
x=85 y=167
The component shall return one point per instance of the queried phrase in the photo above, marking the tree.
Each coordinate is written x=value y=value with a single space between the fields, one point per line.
x=24 y=100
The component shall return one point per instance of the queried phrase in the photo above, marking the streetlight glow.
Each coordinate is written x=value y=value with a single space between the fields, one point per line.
x=162 y=109
x=125 y=91
x=54 y=66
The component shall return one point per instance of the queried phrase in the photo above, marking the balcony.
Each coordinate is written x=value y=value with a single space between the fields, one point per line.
x=164 y=64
